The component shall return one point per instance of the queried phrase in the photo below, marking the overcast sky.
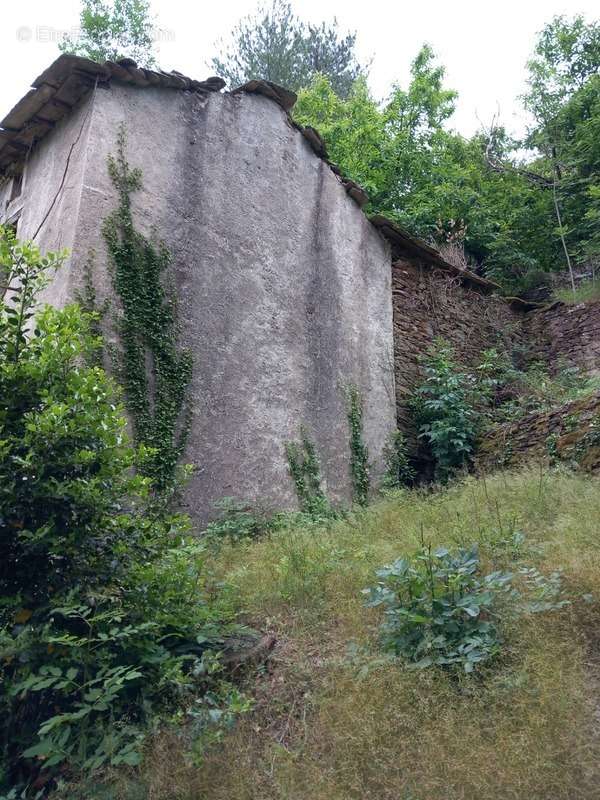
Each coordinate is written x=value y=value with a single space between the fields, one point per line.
x=484 y=45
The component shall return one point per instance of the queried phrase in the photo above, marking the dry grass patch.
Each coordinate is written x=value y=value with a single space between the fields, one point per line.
x=586 y=292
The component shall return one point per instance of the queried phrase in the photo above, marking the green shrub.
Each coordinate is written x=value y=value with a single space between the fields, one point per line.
x=106 y=618
x=438 y=609
x=445 y=411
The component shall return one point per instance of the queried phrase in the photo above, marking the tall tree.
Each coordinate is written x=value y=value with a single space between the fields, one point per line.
x=431 y=180
x=566 y=54
x=112 y=29
x=564 y=99
x=274 y=44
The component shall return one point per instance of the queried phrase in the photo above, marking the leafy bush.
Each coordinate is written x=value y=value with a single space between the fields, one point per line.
x=439 y=610
x=445 y=411
x=105 y=612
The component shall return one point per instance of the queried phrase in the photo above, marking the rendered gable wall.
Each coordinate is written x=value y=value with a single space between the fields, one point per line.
x=282 y=284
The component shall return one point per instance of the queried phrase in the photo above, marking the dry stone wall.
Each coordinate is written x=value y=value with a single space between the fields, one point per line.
x=429 y=303
x=567 y=434
x=565 y=334
x=559 y=336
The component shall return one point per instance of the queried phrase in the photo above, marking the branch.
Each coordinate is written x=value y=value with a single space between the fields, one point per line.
x=498 y=166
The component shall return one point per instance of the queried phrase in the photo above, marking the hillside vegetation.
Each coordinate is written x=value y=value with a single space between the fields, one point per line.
x=334 y=718
x=438 y=641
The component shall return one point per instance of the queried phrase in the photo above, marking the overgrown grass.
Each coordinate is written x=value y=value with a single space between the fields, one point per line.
x=586 y=292
x=335 y=721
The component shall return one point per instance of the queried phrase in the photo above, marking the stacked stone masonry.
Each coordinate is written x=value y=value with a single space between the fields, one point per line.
x=429 y=304
x=565 y=334
x=566 y=434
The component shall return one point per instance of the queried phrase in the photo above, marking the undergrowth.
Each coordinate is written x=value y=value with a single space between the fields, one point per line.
x=456 y=405
x=398 y=468
x=536 y=389
x=109 y=622
x=336 y=718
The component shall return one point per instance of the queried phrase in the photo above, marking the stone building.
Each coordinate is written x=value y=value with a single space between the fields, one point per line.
x=282 y=283
x=287 y=293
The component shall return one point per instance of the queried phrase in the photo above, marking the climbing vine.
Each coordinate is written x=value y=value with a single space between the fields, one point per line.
x=359 y=454
x=305 y=471
x=88 y=301
x=399 y=471
x=154 y=372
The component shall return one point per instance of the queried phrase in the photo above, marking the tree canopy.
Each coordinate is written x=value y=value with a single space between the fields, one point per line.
x=564 y=99
x=275 y=45
x=435 y=182
x=511 y=209
x=112 y=29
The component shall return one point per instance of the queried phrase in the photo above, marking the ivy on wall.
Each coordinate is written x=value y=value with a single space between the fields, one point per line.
x=153 y=371
x=88 y=301
x=359 y=454
x=305 y=471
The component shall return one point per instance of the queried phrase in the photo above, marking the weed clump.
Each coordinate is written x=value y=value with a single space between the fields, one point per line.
x=439 y=609
x=305 y=471
x=398 y=469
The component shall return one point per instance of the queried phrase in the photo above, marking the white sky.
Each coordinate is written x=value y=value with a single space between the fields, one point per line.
x=483 y=44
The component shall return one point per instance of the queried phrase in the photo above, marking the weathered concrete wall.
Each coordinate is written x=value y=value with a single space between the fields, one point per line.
x=428 y=304
x=566 y=334
x=283 y=285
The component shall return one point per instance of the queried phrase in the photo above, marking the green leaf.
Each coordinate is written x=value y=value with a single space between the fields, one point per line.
x=41 y=749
